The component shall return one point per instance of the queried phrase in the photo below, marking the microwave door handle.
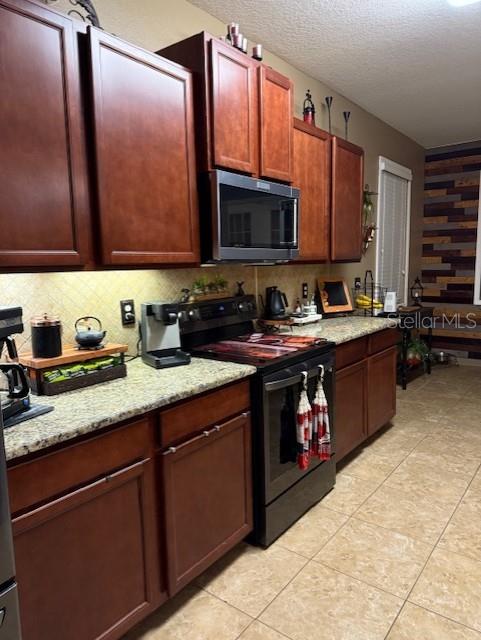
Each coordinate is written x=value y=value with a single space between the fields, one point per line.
x=296 y=222
x=281 y=384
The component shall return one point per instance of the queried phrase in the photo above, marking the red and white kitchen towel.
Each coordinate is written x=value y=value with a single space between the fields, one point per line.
x=313 y=433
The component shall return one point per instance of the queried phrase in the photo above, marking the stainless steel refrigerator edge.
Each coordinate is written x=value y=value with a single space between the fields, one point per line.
x=9 y=612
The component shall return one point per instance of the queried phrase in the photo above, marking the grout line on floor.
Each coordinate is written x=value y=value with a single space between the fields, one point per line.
x=266 y=625
x=281 y=591
x=213 y=595
x=441 y=615
x=361 y=580
x=429 y=557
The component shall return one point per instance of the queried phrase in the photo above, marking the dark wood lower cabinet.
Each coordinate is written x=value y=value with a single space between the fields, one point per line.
x=87 y=566
x=208 y=498
x=350 y=408
x=381 y=384
x=94 y=520
x=365 y=388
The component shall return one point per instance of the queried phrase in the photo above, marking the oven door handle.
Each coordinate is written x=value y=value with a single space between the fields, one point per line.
x=285 y=382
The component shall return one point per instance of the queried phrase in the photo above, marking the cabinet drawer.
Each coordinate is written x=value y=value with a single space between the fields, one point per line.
x=383 y=340
x=195 y=415
x=349 y=352
x=33 y=482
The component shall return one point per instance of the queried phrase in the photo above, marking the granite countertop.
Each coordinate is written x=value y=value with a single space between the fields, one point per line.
x=343 y=329
x=144 y=389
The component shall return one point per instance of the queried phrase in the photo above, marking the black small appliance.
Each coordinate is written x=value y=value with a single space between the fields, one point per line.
x=15 y=403
x=275 y=304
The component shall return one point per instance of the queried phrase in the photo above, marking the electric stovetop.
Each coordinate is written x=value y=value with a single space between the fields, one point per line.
x=260 y=350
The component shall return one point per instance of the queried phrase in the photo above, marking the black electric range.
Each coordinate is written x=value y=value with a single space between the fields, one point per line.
x=225 y=330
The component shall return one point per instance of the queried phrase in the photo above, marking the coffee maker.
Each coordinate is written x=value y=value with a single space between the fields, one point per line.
x=159 y=332
x=16 y=400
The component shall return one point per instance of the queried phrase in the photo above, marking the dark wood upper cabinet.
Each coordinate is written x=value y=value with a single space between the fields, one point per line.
x=208 y=498
x=234 y=108
x=311 y=174
x=44 y=207
x=346 y=203
x=145 y=158
x=243 y=109
x=276 y=140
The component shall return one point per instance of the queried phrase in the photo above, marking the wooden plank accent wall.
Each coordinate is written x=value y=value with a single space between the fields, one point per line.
x=451 y=200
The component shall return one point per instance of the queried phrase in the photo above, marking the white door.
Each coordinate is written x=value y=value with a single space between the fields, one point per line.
x=393 y=222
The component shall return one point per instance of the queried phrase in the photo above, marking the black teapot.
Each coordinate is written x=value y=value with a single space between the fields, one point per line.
x=87 y=337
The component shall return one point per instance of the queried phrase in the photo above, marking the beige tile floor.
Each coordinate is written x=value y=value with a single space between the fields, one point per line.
x=394 y=551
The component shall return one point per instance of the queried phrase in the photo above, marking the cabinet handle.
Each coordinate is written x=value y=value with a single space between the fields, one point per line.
x=169 y=450
x=205 y=434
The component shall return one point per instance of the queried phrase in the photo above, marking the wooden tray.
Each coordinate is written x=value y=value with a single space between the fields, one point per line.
x=70 y=354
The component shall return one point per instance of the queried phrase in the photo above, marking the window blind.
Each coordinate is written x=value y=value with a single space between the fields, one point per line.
x=392 y=233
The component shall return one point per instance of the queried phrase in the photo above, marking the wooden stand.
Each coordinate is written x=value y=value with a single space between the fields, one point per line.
x=273 y=326
x=36 y=368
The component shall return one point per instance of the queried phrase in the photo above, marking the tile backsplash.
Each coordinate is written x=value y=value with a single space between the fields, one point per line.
x=71 y=295
x=98 y=293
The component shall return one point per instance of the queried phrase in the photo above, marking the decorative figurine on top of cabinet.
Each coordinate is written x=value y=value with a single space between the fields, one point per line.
x=347 y=115
x=88 y=7
x=329 y=100
x=257 y=52
x=309 y=110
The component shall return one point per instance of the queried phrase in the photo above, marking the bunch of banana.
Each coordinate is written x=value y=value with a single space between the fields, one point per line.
x=366 y=302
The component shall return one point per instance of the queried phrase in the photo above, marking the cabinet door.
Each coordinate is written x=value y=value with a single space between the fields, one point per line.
x=87 y=563
x=381 y=388
x=208 y=498
x=312 y=157
x=235 y=111
x=347 y=193
x=44 y=202
x=350 y=417
x=144 y=145
x=276 y=99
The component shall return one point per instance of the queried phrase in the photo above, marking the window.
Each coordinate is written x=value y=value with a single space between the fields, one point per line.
x=477 y=278
x=393 y=221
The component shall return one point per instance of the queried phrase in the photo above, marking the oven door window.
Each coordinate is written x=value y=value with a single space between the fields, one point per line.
x=256 y=220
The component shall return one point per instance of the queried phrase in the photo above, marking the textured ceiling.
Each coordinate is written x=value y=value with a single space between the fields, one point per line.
x=415 y=64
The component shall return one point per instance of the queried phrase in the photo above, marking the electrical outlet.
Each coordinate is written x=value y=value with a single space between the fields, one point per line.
x=127 y=312
x=305 y=290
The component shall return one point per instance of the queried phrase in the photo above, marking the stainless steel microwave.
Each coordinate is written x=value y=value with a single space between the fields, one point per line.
x=249 y=220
